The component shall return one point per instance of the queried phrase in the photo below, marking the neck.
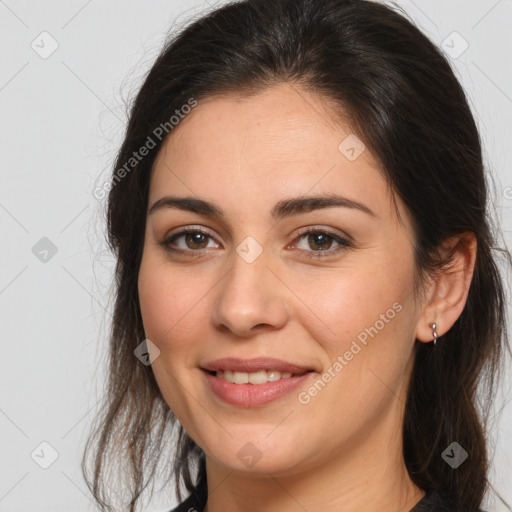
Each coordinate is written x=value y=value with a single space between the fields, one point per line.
x=385 y=489
x=381 y=484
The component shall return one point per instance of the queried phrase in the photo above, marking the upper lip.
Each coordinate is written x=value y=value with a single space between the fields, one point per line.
x=254 y=365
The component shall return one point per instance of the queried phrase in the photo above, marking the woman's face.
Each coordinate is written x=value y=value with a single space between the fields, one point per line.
x=337 y=303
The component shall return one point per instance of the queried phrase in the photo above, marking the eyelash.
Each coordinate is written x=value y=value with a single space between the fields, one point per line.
x=344 y=243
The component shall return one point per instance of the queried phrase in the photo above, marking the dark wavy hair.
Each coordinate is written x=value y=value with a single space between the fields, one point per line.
x=404 y=102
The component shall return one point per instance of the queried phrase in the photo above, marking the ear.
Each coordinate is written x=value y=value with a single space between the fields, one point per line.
x=448 y=291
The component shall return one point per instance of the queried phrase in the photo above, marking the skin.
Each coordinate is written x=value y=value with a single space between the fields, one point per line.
x=343 y=450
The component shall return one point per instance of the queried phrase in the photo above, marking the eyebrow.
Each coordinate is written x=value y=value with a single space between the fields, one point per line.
x=282 y=209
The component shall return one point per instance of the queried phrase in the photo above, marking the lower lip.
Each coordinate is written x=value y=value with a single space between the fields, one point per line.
x=253 y=395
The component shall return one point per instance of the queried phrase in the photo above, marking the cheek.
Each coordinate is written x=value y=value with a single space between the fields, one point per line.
x=165 y=298
x=155 y=299
x=175 y=313
x=343 y=304
x=170 y=304
x=363 y=322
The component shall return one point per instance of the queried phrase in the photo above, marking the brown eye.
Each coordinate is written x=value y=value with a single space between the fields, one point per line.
x=194 y=240
x=319 y=243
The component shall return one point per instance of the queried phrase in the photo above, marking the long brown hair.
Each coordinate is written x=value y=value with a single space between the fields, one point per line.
x=405 y=103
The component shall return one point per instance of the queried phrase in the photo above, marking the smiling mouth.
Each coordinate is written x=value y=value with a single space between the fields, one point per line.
x=259 y=377
x=256 y=388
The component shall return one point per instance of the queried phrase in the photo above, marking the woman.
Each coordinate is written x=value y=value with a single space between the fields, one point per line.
x=306 y=288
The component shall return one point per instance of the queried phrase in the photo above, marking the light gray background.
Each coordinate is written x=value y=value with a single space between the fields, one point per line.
x=62 y=119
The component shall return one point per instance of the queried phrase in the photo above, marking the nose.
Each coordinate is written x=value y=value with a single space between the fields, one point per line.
x=250 y=298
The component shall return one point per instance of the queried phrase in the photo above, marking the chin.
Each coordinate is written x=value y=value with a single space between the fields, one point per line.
x=258 y=455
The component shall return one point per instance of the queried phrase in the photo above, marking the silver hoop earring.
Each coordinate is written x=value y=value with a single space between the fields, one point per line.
x=434 y=333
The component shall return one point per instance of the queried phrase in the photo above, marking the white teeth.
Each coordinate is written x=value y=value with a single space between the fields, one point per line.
x=254 y=377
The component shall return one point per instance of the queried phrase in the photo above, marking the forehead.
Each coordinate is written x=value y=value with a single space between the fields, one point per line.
x=251 y=152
